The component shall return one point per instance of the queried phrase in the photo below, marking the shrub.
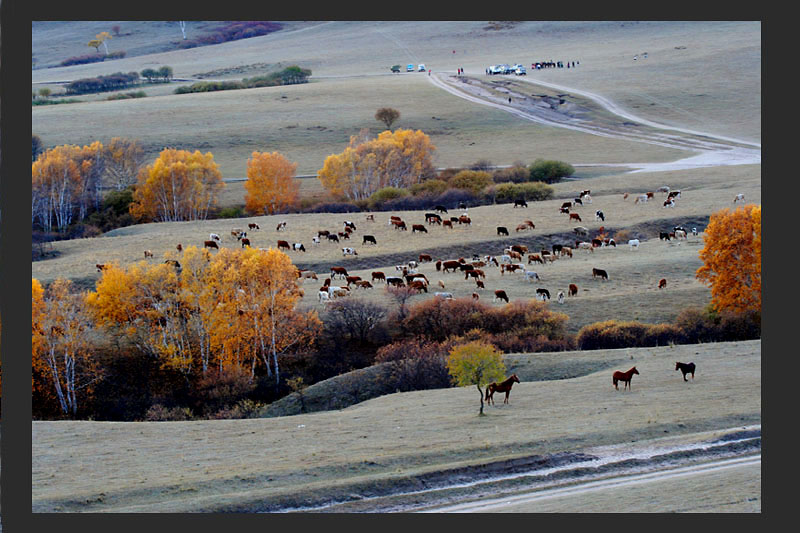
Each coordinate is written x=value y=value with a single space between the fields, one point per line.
x=231 y=212
x=429 y=187
x=383 y=195
x=550 y=171
x=415 y=364
x=437 y=319
x=471 y=180
x=508 y=192
x=111 y=82
x=126 y=96
x=233 y=31
x=452 y=197
x=613 y=334
x=518 y=173
x=159 y=413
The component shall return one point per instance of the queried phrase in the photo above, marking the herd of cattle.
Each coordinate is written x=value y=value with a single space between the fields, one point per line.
x=512 y=259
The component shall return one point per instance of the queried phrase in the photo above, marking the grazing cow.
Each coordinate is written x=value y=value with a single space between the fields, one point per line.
x=610 y=242
x=694 y=232
x=433 y=218
x=642 y=198
x=283 y=244
x=447 y=224
x=597 y=243
x=739 y=198
x=530 y=275
x=669 y=203
x=502 y=230
x=100 y=267
x=479 y=284
x=520 y=249
x=336 y=292
x=241 y=236
x=344 y=234
x=352 y=279
x=235 y=232
x=418 y=227
x=253 y=225
x=425 y=258
x=369 y=238
x=440 y=208
x=598 y=215
x=378 y=275
x=662 y=284
x=445 y=295
x=348 y=251
x=521 y=227
x=475 y=296
x=577 y=201
x=418 y=286
x=464 y=219
x=675 y=194
x=399 y=225
x=441 y=284
x=315 y=240
x=625 y=196
x=663 y=189
x=465 y=267
x=584 y=193
x=281 y=225
x=520 y=203
x=180 y=248
x=566 y=205
x=680 y=234
x=215 y=237
x=394 y=280
x=308 y=274
x=298 y=247
x=448 y=266
x=511 y=268
x=513 y=254
x=323 y=233
x=544 y=294
x=327 y=282
x=148 y=253
x=663 y=235
x=580 y=230
x=339 y=271
x=474 y=273
x=563 y=210
x=210 y=244
x=586 y=246
x=348 y=224
x=599 y=272
x=245 y=242
x=565 y=250
x=587 y=198
x=633 y=243
x=500 y=295
x=535 y=258
x=573 y=289
x=491 y=259
x=649 y=195
x=371 y=218
x=363 y=284
x=323 y=296
x=173 y=262
x=462 y=205
x=332 y=237
x=561 y=297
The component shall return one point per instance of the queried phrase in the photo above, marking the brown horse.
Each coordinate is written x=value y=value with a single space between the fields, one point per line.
x=504 y=386
x=624 y=377
x=686 y=368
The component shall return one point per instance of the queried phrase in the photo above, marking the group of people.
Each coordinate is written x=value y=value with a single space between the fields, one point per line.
x=554 y=64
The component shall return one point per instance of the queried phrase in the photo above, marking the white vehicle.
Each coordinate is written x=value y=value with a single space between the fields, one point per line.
x=421 y=67
x=520 y=71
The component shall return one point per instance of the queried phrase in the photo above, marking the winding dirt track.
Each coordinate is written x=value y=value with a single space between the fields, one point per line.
x=710 y=149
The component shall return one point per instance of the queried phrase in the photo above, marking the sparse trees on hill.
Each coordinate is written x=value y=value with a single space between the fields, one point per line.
x=179 y=185
x=394 y=159
x=271 y=186
x=123 y=160
x=732 y=259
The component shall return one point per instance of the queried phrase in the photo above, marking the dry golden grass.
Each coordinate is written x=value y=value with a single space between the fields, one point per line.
x=192 y=466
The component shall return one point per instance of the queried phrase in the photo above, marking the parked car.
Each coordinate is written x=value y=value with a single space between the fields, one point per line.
x=422 y=67
x=520 y=71
x=395 y=68
x=409 y=68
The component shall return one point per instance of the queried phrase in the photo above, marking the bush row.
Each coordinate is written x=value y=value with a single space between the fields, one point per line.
x=288 y=76
x=233 y=31
x=91 y=58
x=111 y=82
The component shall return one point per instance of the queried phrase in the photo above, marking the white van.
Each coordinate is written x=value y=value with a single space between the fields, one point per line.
x=422 y=67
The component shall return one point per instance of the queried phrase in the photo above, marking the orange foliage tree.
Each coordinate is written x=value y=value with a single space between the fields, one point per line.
x=270 y=183
x=732 y=259
x=123 y=160
x=393 y=159
x=228 y=312
x=179 y=185
x=60 y=347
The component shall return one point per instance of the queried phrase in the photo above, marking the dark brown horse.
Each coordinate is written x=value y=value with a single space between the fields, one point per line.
x=504 y=386
x=624 y=377
x=686 y=368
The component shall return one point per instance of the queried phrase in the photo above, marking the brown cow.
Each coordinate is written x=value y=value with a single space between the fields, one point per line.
x=479 y=284
x=662 y=284
x=509 y=268
x=100 y=267
x=418 y=285
x=364 y=284
x=575 y=216
x=475 y=296
x=500 y=295
x=377 y=275
x=283 y=244
x=451 y=265
x=535 y=258
x=210 y=244
x=520 y=248
x=148 y=253
x=447 y=224
x=522 y=227
x=566 y=250
x=399 y=225
x=245 y=242
x=339 y=271
x=281 y=225
x=464 y=219
x=179 y=247
x=352 y=279
x=573 y=290
x=418 y=227
x=599 y=272
x=425 y=258
x=253 y=225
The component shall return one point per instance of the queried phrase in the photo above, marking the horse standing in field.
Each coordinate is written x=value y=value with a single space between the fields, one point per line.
x=624 y=377
x=686 y=368
x=504 y=386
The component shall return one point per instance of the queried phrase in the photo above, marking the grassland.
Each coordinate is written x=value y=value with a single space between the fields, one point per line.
x=702 y=76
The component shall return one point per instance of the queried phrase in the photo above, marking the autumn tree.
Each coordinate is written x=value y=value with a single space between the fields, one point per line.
x=475 y=363
x=393 y=159
x=271 y=186
x=732 y=259
x=123 y=160
x=387 y=115
x=179 y=185
x=61 y=346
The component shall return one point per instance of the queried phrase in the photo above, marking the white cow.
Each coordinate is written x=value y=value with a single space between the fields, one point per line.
x=561 y=297
x=348 y=251
x=641 y=198
x=530 y=275
x=739 y=198
x=215 y=237
x=633 y=243
x=323 y=296
x=445 y=295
